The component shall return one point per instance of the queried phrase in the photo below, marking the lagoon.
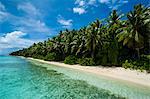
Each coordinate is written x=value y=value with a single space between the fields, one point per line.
x=24 y=79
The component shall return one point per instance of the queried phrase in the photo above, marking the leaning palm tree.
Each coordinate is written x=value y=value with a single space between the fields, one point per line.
x=132 y=35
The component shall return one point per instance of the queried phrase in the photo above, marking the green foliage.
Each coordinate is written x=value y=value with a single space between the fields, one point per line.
x=108 y=42
x=104 y=60
x=133 y=34
x=127 y=64
x=86 y=62
x=146 y=56
x=51 y=56
x=142 y=64
x=70 y=60
x=38 y=56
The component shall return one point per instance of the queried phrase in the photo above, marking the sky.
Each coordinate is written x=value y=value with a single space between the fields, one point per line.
x=23 y=22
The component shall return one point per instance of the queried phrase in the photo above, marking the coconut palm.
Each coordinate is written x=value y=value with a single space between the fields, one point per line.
x=132 y=35
x=78 y=43
x=114 y=18
x=112 y=45
x=93 y=37
x=58 y=45
x=68 y=38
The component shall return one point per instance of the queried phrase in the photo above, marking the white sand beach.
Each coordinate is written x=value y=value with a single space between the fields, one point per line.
x=119 y=73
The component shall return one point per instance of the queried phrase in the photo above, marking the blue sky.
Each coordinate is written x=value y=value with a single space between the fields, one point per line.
x=23 y=22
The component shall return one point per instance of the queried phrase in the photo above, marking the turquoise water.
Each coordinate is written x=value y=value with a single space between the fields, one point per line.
x=23 y=79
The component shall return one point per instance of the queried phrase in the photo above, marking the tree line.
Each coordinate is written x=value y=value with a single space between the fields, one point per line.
x=113 y=42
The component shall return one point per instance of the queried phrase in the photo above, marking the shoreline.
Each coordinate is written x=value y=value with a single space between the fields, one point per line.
x=118 y=73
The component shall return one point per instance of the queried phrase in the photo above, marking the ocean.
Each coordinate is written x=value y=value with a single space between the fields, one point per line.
x=24 y=79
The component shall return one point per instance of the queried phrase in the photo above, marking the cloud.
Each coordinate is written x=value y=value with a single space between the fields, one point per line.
x=104 y=1
x=2 y=7
x=80 y=2
x=3 y=13
x=80 y=7
x=92 y=2
x=83 y=5
x=29 y=9
x=113 y=4
x=31 y=22
x=32 y=25
x=14 y=40
x=65 y=23
x=79 y=10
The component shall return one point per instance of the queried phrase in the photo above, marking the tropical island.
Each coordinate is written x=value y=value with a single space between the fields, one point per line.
x=121 y=40
x=66 y=58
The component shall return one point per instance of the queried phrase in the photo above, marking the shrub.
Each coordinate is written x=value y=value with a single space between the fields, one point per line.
x=70 y=60
x=127 y=64
x=51 y=56
x=142 y=64
x=38 y=56
x=86 y=62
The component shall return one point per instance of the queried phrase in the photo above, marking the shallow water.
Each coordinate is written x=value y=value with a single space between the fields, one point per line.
x=23 y=79
x=123 y=88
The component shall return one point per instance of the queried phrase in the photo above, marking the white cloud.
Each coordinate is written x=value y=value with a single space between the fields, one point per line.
x=124 y=1
x=65 y=23
x=29 y=9
x=3 y=13
x=2 y=7
x=92 y=2
x=113 y=4
x=3 y=16
x=80 y=2
x=80 y=7
x=32 y=25
x=104 y=1
x=79 y=10
x=31 y=22
x=83 y=5
x=14 y=40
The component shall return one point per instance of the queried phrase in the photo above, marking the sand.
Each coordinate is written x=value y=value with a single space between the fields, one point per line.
x=132 y=76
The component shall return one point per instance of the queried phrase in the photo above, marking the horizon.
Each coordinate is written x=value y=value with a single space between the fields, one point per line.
x=23 y=23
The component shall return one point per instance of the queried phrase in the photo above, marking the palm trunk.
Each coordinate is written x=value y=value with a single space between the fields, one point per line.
x=93 y=54
x=138 y=52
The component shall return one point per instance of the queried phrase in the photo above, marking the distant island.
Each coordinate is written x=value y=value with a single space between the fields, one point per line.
x=120 y=40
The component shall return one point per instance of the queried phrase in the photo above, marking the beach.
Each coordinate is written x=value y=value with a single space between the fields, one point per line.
x=132 y=76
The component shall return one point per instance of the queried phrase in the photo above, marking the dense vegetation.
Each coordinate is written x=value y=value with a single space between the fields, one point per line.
x=113 y=42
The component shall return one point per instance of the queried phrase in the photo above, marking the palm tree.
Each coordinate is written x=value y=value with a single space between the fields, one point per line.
x=132 y=35
x=68 y=38
x=78 y=42
x=114 y=18
x=114 y=23
x=93 y=37
x=58 y=45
